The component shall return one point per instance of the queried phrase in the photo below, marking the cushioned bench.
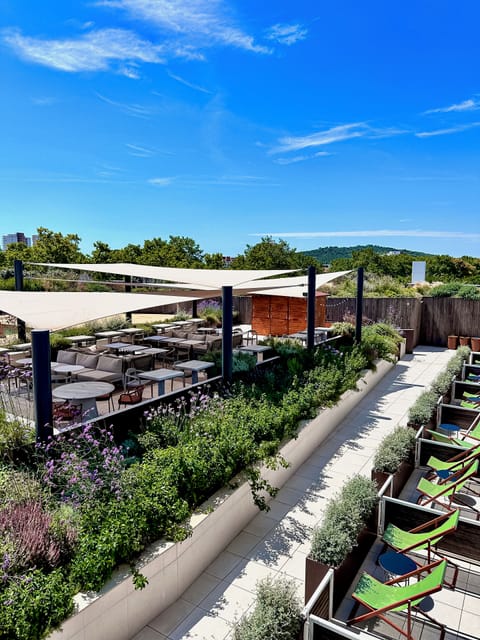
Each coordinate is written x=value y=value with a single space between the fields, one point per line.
x=101 y=368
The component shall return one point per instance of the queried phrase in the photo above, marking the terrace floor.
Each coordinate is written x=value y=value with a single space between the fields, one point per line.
x=277 y=542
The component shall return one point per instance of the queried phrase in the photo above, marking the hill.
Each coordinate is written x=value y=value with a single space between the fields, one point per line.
x=325 y=255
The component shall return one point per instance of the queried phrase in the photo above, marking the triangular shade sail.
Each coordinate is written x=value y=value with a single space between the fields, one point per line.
x=214 y=278
x=58 y=310
x=295 y=287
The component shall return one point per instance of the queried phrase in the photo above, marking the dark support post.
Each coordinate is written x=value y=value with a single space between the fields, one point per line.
x=194 y=309
x=311 y=307
x=359 y=310
x=42 y=390
x=227 y=327
x=18 y=269
x=128 y=289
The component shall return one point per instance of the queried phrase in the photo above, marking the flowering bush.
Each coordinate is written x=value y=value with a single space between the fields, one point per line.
x=83 y=465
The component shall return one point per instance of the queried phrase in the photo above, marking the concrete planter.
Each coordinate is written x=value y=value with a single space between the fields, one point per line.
x=118 y=611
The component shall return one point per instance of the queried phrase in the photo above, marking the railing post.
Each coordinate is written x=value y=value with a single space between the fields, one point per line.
x=311 y=308
x=18 y=270
x=42 y=389
x=359 y=309
x=128 y=289
x=227 y=326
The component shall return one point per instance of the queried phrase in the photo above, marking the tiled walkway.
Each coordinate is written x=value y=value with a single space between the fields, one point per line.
x=277 y=542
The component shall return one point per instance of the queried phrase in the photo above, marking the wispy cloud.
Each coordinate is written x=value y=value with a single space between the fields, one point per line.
x=287 y=34
x=295 y=159
x=334 y=134
x=135 y=110
x=467 y=105
x=43 y=101
x=161 y=182
x=373 y=233
x=201 y=22
x=191 y=85
x=94 y=51
x=140 y=152
x=449 y=131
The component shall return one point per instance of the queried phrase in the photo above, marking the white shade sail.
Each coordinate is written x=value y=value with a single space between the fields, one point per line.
x=213 y=278
x=59 y=310
x=296 y=287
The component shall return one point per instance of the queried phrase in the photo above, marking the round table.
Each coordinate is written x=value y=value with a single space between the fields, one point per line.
x=451 y=429
x=396 y=564
x=86 y=393
x=69 y=369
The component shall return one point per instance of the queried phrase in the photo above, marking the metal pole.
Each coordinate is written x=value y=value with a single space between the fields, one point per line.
x=42 y=389
x=359 y=310
x=194 y=309
x=128 y=289
x=18 y=269
x=227 y=326
x=311 y=307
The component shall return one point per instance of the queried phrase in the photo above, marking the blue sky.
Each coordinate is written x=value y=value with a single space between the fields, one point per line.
x=322 y=123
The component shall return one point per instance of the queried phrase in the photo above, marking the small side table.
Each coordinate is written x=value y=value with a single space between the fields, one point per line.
x=396 y=564
x=449 y=429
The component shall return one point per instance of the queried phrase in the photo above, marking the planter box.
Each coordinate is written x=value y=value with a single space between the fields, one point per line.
x=400 y=478
x=118 y=611
x=344 y=574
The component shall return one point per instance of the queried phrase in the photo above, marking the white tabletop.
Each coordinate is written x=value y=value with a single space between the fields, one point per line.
x=68 y=368
x=194 y=365
x=160 y=374
x=131 y=331
x=82 y=390
x=108 y=334
x=79 y=338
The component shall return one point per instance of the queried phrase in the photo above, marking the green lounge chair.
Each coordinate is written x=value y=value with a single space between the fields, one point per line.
x=380 y=598
x=465 y=404
x=443 y=492
x=440 y=437
x=425 y=536
x=459 y=461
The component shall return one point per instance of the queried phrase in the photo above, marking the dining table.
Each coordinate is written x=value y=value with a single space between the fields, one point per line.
x=84 y=394
x=195 y=366
x=159 y=376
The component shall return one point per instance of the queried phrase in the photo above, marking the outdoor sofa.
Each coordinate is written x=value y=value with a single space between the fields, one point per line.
x=99 y=368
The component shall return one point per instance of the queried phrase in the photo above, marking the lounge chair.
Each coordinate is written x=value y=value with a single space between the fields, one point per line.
x=443 y=492
x=456 y=462
x=424 y=537
x=134 y=396
x=381 y=598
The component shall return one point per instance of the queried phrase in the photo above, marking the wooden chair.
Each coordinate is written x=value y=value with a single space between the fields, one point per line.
x=132 y=396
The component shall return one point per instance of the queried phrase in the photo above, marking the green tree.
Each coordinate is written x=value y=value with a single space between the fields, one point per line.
x=53 y=246
x=271 y=254
x=213 y=261
x=16 y=251
x=102 y=253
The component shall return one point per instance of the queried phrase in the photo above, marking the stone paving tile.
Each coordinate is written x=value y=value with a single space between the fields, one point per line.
x=277 y=542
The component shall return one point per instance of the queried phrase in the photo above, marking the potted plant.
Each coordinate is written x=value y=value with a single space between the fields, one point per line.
x=344 y=538
x=394 y=456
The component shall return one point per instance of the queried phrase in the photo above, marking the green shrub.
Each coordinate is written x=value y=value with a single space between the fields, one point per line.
x=15 y=434
x=276 y=613
x=446 y=290
x=394 y=449
x=422 y=409
x=345 y=516
x=344 y=329
x=34 y=604
x=469 y=292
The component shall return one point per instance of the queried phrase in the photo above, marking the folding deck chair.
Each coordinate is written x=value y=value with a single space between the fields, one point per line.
x=443 y=491
x=380 y=598
x=424 y=537
x=456 y=462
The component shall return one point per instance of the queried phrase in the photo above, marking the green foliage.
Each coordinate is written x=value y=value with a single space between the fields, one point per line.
x=469 y=292
x=345 y=516
x=15 y=434
x=273 y=254
x=34 y=604
x=445 y=290
x=422 y=409
x=380 y=341
x=276 y=613
x=344 y=329
x=394 y=449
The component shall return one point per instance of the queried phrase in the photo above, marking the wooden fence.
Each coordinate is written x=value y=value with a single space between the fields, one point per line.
x=432 y=319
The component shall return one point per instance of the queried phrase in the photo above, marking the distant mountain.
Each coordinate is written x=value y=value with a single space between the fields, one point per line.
x=325 y=255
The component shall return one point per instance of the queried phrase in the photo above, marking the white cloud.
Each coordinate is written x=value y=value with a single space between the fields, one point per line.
x=93 y=51
x=287 y=34
x=161 y=182
x=466 y=105
x=135 y=110
x=43 y=101
x=195 y=87
x=375 y=233
x=450 y=130
x=334 y=134
x=202 y=22
x=294 y=159
x=140 y=152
